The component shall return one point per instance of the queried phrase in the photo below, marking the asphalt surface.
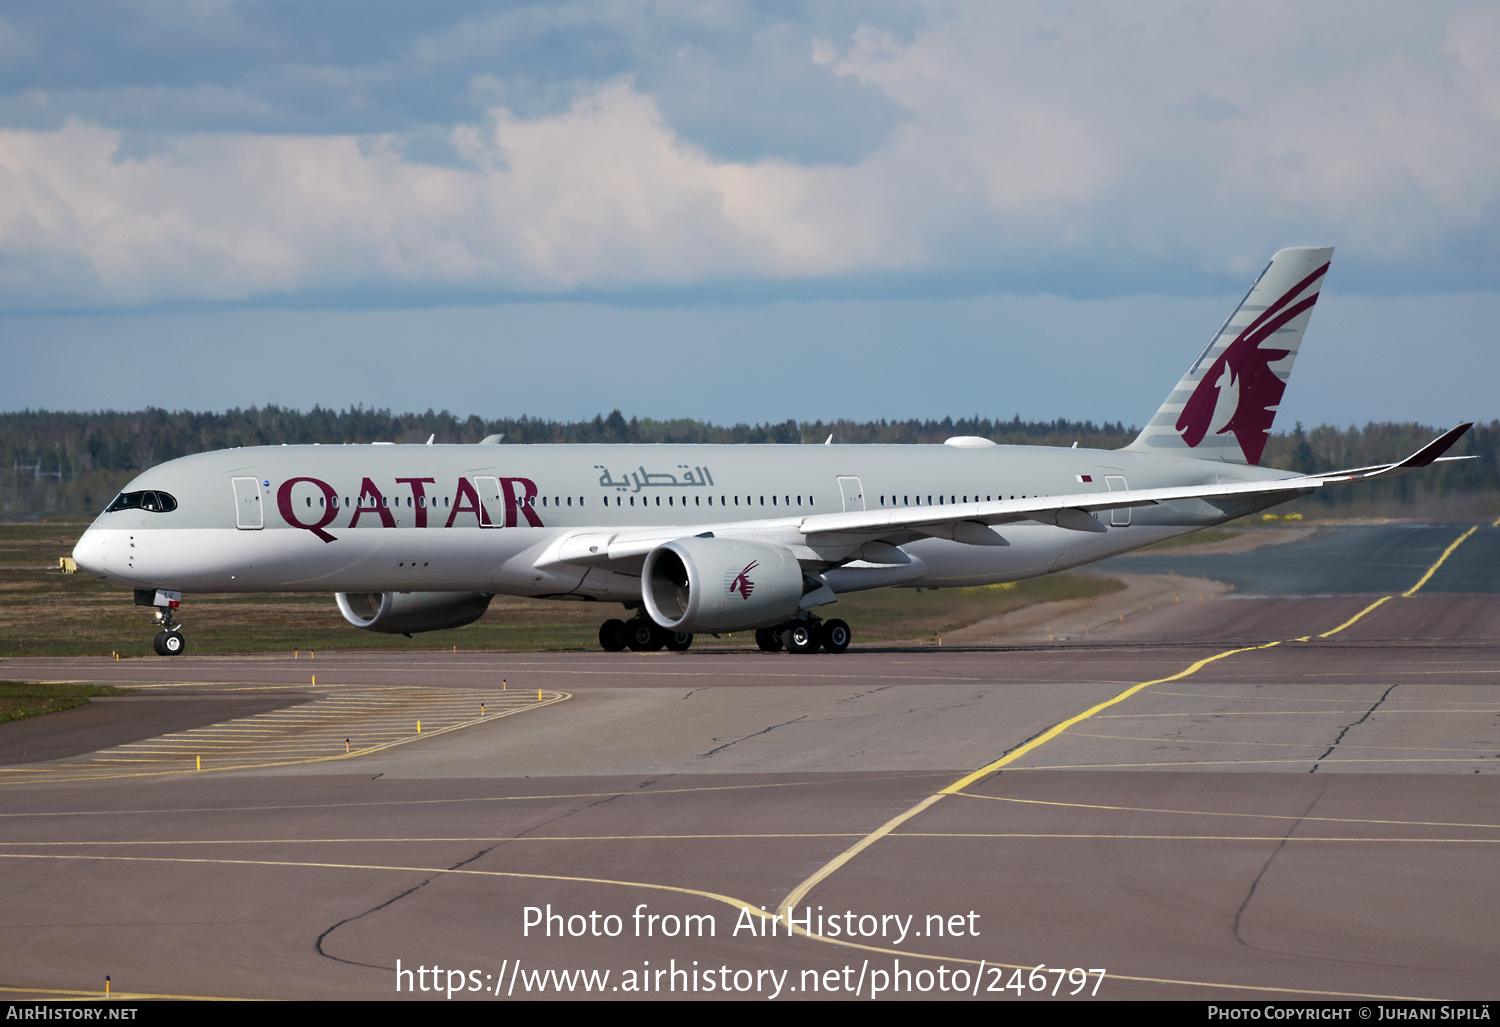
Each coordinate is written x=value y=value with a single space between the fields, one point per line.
x=1296 y=807
x=1352 y=559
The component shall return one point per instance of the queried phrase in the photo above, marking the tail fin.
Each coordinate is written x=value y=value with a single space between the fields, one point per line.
x=1223 y=407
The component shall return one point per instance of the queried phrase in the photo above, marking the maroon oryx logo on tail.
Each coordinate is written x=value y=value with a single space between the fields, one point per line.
x=1240 y=392
x=742 y=583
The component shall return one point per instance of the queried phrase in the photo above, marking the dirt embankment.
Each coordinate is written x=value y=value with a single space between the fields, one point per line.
x=1076 y=619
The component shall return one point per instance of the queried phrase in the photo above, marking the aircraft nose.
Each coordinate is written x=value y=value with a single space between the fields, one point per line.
x=91 y=552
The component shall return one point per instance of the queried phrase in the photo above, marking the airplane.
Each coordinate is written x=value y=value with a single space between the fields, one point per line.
x=714 y=538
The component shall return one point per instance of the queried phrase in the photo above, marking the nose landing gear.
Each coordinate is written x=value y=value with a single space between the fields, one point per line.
x=169 y=640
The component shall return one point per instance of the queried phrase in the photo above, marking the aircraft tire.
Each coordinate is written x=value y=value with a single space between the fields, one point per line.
x=836 y=636
x=642 y=636
x=678 y=641
x=768 y=639
x=801 y=638
x=168 y=643
x=613 y=636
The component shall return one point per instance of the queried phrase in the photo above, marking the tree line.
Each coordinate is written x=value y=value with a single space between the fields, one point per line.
x=55 y=463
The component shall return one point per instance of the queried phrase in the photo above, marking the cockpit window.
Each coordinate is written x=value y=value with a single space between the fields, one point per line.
x=156 y=502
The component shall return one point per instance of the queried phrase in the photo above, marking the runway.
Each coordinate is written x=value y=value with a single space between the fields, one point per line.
x=1289 y=796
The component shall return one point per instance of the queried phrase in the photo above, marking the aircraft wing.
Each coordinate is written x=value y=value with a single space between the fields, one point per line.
x=971 y=523
x=1076 y=511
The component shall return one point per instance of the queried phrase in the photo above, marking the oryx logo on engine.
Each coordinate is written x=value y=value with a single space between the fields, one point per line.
x=741 y=583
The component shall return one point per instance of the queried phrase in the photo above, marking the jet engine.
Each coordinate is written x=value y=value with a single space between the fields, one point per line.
x=720 y=584
x=404 y=613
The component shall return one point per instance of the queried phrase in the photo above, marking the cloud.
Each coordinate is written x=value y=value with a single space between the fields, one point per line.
x=594 y=149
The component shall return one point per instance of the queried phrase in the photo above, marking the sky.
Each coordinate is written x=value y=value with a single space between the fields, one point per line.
x=740 y=211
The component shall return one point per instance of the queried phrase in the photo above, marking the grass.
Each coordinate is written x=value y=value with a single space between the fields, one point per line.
x=889 y=614
x=47 y=613
x=21 y=699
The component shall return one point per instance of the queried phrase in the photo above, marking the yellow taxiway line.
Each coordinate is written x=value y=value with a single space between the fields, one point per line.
x=797 y=894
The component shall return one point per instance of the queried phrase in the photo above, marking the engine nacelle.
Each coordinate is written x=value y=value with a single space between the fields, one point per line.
x=405 y=613
x=720 y=584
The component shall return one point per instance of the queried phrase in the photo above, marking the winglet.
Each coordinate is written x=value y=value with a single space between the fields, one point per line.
x=1434 y=449
x=1424 y=457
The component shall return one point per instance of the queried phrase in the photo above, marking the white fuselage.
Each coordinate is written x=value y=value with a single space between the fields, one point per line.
x=498 y=519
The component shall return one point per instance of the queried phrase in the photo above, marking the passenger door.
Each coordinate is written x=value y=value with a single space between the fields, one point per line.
x=249 y=514
x=492 y=501
x=1118 y=518
x=852 y=491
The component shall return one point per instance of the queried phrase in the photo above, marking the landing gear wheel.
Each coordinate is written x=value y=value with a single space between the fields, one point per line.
x=836 y=636
x=678 y=641
x=644 y=637
x=168 y=643
x=613 y=636
x=800 y=638
x=769 y=639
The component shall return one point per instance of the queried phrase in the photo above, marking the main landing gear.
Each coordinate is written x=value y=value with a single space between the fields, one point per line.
x=805 y=635
x=641 y=635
